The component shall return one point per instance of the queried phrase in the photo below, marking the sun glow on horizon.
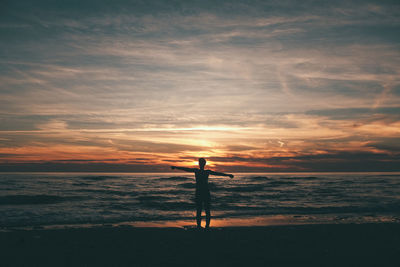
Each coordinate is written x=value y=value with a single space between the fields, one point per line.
x=251 y=87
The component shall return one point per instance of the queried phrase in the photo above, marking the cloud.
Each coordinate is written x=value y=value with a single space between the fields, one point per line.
x=164 y=81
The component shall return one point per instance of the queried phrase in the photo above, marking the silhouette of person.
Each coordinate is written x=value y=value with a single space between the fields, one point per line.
x=202 y=196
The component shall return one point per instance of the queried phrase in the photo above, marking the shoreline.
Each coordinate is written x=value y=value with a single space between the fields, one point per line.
x=370 y=244
x=218 y=222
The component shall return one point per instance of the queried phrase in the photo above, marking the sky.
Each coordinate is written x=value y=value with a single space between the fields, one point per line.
x=252 y=86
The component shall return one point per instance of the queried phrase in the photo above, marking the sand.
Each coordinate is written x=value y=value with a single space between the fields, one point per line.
x=300 y=245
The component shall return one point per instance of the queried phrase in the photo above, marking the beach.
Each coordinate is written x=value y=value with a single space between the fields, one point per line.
x=376 y=244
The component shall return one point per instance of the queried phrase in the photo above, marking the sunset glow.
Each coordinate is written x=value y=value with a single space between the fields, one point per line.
x=261 y=87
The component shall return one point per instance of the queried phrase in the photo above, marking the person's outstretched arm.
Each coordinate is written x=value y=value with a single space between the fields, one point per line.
x=221 y=174
x=184 y=169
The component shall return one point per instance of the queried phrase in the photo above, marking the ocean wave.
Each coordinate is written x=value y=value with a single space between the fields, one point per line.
x=80 y=184
x=375 y=181
x=247 y=188
x=347 y=182
x=165 y=192
x=272 y=196
x=259 y=178
x=330 y=191
x=342 y=209
x=176 y=178
x=35 y=199
x=281 y=182
x=187 y=185
x=232 y=209
x=97 y=178
x=390 y=175
x=231 y=198
x=307 y=178
x=152 y=198
x=171 y=205
x=300 y=178
x=107 y=192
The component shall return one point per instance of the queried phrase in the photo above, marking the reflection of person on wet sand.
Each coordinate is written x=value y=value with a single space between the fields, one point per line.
x=202 y=190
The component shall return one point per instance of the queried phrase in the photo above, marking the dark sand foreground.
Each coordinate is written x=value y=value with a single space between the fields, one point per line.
x=302 y=245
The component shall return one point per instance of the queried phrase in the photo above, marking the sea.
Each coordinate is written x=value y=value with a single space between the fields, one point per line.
x=40 y=200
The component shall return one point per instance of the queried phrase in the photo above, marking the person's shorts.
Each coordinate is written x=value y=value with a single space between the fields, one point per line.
x=202 y=198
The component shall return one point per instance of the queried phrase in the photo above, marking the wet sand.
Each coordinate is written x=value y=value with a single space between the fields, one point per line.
x=300 y=245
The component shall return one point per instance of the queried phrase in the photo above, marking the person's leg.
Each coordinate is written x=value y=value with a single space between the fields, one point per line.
x=198 y=212
x=208 y=217
x=208 y=211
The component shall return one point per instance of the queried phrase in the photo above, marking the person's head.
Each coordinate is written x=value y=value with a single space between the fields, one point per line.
x=202 y=163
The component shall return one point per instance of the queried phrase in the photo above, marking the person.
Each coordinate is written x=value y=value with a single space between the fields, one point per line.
x=202 y=196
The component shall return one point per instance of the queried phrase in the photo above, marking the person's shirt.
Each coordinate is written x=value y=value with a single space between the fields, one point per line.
x=202 y=179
